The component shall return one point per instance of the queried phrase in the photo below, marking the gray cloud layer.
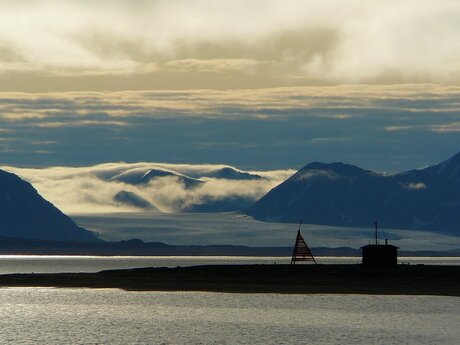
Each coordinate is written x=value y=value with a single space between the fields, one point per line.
x=389 y=128
x=127 y=44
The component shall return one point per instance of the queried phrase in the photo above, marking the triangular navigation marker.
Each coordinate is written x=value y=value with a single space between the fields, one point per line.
x=301 y=251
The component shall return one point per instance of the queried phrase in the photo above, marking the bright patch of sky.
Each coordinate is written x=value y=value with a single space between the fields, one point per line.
x=173 y=44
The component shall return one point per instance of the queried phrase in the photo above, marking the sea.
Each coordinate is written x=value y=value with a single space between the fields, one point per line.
x=109 y=316
x=53 y=316
x=75 y=263
x=36 y=315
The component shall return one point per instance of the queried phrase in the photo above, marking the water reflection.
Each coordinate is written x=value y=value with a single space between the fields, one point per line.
x=58 y=264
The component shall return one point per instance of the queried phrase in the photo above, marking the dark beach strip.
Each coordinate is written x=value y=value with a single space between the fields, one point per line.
x=299 y=279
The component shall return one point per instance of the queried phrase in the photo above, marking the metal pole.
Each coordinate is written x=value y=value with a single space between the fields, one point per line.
x=376 y=241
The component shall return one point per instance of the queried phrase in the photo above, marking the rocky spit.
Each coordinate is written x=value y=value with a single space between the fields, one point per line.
x=298 y=279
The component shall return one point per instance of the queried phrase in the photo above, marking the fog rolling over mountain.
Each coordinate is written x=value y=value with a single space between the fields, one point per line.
x=151 y=187
x=152 y=180
x=24 y=213
x=345 y=195
x=139 y=177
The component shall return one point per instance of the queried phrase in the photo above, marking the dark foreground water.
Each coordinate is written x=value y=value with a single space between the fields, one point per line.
x=85 y=316
x=60 y=264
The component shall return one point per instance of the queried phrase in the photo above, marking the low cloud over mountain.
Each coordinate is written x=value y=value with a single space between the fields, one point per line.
x=152 y=187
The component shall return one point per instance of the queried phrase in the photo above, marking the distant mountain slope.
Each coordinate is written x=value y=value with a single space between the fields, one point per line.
x=230 y=173
x=132 y=199
x=24 y=213
x=346 y=195
x=187 y=181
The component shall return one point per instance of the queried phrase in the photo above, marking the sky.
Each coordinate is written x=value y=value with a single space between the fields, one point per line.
x=260 y=84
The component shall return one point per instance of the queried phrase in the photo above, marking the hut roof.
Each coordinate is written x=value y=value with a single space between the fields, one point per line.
x=379 y=245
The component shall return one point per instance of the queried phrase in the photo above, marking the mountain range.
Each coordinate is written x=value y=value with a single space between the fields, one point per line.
x=345 y=195
x=320 y=193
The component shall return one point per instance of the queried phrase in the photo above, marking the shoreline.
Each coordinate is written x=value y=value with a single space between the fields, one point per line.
x=136 y=247
x=286 y=279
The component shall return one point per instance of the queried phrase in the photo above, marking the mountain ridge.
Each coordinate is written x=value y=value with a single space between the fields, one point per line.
x=25 y=213
x=345 y=195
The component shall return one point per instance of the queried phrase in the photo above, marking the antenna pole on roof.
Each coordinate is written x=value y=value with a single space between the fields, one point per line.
x=376 y=240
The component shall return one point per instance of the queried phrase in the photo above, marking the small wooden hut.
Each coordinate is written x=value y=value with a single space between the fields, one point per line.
x=380 y=254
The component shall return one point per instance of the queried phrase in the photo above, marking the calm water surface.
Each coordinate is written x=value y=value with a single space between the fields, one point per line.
x=91 y=316
x=59 y=264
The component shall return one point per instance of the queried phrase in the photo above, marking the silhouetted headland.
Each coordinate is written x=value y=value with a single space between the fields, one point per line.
x=25 y=213
x=298 y=279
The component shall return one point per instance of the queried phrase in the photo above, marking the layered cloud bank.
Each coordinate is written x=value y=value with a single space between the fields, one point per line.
x=150 y=187
x=390 y=128
x=226 y=44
